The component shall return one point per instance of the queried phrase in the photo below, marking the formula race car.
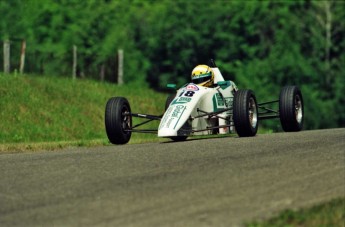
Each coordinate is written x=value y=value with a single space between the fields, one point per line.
x=196 y=109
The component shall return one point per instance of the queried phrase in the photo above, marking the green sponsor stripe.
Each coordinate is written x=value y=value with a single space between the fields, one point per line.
x=179 y=117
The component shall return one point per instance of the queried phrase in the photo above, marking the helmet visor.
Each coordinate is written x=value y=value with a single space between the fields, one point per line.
x=198 y=79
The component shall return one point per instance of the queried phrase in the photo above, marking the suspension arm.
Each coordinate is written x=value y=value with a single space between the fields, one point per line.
x=147 y=116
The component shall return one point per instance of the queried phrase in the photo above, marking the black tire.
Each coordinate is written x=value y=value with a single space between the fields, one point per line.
x=291 y=110
x=245 y=113
x=170 y=98
x=117 y=120
x=179 y=138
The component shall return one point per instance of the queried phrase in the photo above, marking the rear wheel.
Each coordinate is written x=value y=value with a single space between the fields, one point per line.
x=291 y=110
x=118 y=120
x=245 y=113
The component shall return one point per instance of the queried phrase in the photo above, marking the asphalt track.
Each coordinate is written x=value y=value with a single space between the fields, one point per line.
x=205 y=182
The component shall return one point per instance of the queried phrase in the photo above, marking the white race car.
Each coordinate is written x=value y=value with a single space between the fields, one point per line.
x=199 y=110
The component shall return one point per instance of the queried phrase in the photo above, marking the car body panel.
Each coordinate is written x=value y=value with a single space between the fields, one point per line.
x=181 y=117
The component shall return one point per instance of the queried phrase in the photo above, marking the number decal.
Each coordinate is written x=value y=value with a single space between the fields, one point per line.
x=189 y=93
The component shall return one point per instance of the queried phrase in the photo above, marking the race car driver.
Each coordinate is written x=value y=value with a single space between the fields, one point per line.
x=203 y=75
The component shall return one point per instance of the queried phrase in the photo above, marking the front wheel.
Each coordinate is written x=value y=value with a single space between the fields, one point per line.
x=118 y=120
x=178 y=138
x=245 y=113
x=291 y=111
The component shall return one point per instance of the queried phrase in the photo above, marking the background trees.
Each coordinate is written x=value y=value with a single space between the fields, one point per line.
x=262 y=45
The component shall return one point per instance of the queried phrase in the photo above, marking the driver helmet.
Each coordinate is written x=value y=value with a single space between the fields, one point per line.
x=203 y=75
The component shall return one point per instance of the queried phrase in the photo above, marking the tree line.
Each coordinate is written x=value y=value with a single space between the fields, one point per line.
x=261 y=45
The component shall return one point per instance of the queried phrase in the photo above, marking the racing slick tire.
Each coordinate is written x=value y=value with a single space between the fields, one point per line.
x=245 y=113
x=178 y=138
x=291 y=110
x=170 y=98
x=118 y=120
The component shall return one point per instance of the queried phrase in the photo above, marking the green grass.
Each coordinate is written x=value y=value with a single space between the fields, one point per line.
x=52 y=109
x=328 y=214
x=58 y=145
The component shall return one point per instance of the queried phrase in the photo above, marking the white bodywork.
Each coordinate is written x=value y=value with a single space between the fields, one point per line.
x=180 y=118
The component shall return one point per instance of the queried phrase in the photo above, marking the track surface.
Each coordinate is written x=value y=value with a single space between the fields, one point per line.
x=205 y=182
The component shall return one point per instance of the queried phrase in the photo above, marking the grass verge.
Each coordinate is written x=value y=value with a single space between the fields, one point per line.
x=327 y=214
x=44 y=108
x=58 y=145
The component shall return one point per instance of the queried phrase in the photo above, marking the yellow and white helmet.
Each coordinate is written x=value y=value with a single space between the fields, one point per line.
x=203 y=75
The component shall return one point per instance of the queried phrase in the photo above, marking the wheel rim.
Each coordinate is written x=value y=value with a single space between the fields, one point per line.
x=298 y=109
x=126 y=119
x=253 y=115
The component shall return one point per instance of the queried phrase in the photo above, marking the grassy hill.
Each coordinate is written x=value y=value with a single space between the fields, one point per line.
x=46 y=108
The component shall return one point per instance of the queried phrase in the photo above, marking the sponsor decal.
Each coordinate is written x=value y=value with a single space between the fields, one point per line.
x=172 y=116
x=192 y=87
x=228 y=102
x=166 y=117
x=181 y=100
x=220 y=103
x=177 y=111
x=169 y=122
